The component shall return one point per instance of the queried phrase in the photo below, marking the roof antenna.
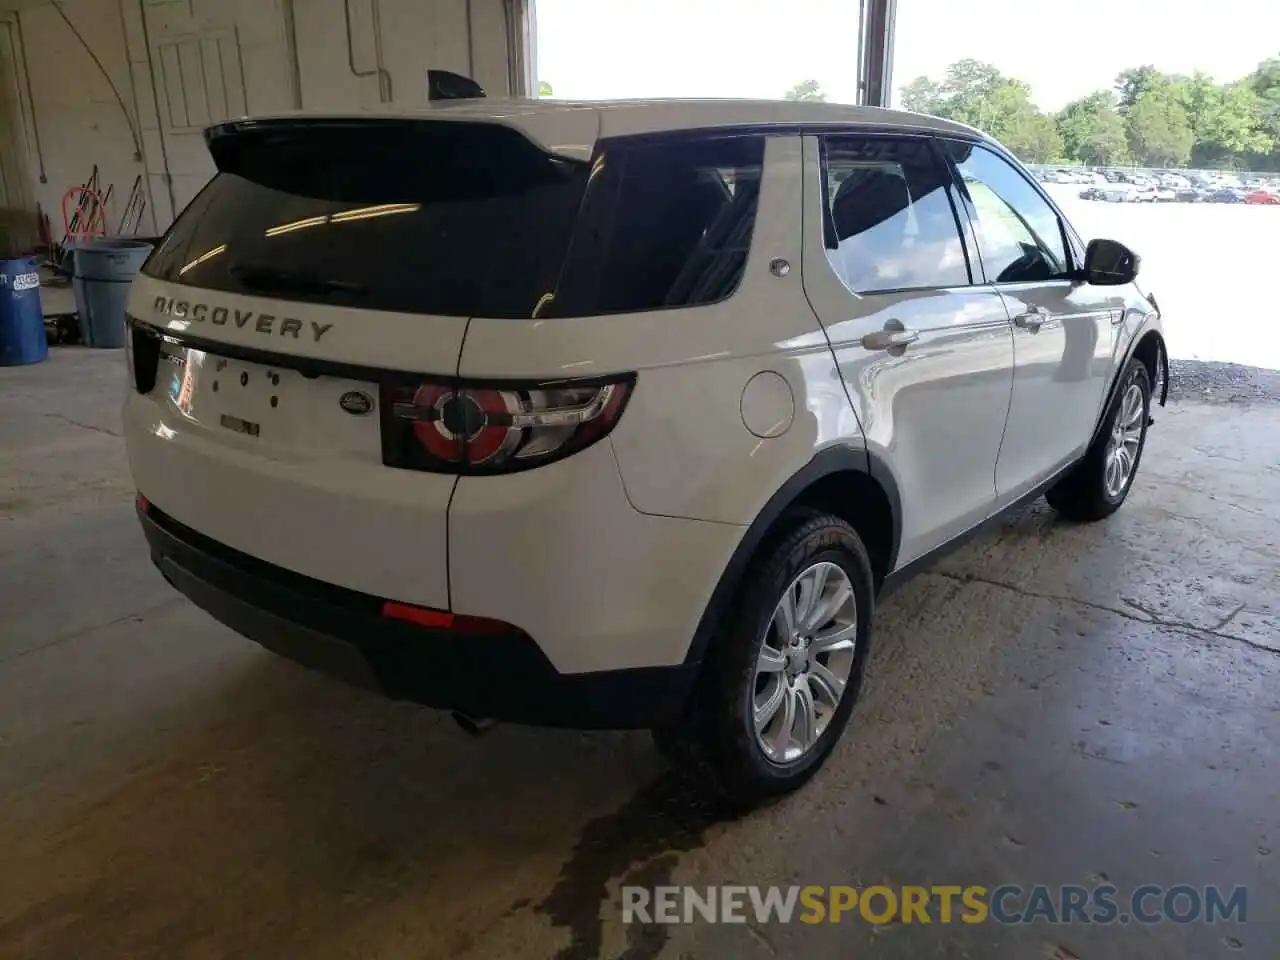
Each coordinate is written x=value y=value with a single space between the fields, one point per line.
x=443 y=85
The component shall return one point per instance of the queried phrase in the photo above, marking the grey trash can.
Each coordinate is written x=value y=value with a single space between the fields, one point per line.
x=103 y=269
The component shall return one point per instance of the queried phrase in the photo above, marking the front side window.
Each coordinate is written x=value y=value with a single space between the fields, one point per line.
x=891 y=223
x=1019 y=234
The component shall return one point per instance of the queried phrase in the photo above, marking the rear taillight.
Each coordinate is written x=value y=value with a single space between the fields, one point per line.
x=496 y=428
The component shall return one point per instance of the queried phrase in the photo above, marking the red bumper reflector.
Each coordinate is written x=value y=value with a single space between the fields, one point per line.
x=144 y=505
x=441 y=619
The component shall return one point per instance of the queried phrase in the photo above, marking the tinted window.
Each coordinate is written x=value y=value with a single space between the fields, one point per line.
x=892 y=224
x=1019 y=234
x=440 y=218
x=467 y=220
x=665 y=223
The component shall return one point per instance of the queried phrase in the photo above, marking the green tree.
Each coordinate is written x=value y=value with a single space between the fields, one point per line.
x=1225 y=122
x=971 y=92
x=1135 y=81
x=1201 y=97
x=1009 y=115
x=920 y=95
x=978 y=94
x=544 y=89
x=807 y=91
x=1265 y=83
x=1035 y=138
x=1158 y=128
x=1153 y=118
x=1093 y=131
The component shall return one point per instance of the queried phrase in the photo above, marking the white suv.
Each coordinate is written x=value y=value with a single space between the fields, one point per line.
x=617 y=415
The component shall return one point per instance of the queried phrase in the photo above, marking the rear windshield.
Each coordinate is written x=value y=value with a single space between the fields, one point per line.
x=464 y=220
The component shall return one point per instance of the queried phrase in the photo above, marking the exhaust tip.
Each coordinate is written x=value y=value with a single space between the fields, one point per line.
x=476 y=726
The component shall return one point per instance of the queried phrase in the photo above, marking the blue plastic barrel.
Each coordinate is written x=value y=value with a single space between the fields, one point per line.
x=104 y=268
x=22 y=338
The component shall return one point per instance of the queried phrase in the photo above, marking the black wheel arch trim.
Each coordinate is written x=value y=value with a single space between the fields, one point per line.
x=1162 y=362
x=840 y=459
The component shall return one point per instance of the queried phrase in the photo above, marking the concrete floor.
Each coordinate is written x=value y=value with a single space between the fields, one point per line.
x=1055 y=704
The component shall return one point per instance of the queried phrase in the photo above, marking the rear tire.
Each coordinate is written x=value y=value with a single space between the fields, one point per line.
x=1097 y=486
x=820 y=572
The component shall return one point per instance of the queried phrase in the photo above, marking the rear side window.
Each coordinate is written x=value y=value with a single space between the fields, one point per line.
x=464 y=219
x=892 y=224
x=666 y=223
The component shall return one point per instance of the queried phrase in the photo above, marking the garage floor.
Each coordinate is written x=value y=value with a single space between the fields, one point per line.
x=1053 y=704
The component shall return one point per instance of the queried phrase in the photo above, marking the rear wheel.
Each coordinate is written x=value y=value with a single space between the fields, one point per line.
x=784 y=671
x=1101 y=481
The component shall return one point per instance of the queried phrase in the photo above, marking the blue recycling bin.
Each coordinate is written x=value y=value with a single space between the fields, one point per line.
x=22 y=338
x=103 y=269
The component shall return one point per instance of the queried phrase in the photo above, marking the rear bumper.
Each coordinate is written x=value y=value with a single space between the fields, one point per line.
x=503 y=676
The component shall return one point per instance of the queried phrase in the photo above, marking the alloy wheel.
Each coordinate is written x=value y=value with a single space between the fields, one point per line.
x=805 y=662
x=1122 y=448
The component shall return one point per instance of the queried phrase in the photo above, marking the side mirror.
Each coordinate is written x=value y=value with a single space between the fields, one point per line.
x=1108 y=263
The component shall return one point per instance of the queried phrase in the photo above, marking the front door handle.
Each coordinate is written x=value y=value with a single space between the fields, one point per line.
x=894 y=336
x=1031 y=320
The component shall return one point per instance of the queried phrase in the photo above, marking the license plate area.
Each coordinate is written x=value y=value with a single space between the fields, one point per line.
x=240 y=426
x=270 y=406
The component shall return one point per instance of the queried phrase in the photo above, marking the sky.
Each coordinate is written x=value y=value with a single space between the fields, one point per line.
x=601 y=49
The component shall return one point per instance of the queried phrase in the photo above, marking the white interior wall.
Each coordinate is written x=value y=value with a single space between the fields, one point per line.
x=132 y=92
x=18 y=227
x=74 y=103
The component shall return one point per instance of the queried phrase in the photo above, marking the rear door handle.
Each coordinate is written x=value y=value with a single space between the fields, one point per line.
x=894 y=336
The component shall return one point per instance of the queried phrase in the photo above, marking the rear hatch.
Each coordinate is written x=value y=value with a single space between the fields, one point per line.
x=329 y=267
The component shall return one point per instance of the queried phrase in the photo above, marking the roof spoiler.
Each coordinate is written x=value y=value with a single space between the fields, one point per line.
x=443 y=85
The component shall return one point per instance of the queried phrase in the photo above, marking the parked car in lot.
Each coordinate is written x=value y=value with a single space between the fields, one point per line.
x=1262 y=197
x=1118 y=192
x=1226 y=195
x=1188 y=195
x=748 y=366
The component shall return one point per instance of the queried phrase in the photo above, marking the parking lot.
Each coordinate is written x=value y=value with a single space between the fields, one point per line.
x=1208 y=264
x=1053 y=704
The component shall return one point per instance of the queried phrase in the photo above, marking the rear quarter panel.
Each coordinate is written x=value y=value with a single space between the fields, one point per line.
x=682 y=444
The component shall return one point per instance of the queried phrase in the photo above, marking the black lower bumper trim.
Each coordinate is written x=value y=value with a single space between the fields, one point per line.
x=502 y=676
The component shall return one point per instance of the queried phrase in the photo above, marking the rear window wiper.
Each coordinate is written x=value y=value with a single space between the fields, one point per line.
x=271 y=280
